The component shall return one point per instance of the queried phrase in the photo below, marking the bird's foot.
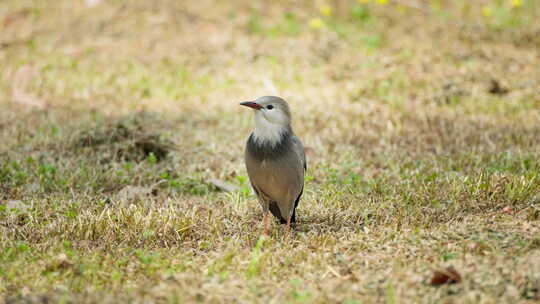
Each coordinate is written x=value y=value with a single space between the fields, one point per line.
x=265 y=220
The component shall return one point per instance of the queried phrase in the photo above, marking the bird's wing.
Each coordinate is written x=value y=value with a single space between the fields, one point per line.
x=280 y=180
x=299 y=149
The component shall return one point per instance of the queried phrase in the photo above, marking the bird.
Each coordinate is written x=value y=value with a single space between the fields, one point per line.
x=275 y=160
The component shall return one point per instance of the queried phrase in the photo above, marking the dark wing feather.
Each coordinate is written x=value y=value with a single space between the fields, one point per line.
x=302 y=154
x=274 y=209
x=299 y=148
x=293 y=218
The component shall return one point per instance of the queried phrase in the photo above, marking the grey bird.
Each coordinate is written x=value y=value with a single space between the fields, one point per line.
x=275 y=160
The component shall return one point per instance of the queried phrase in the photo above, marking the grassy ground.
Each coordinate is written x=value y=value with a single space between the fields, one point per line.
x=421 y=121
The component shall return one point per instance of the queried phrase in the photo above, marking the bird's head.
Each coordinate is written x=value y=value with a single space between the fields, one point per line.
x=272 y=117
x=272 y=109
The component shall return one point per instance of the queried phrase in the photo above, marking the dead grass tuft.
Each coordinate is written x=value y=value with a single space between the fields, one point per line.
x=131 y=138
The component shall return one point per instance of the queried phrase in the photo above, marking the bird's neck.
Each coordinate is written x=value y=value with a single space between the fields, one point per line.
x=267 y=133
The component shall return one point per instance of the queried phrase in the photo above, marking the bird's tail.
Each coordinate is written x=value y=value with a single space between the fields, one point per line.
x=274 y=209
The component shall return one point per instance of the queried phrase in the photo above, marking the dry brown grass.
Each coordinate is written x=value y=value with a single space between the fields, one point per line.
x=420 y=122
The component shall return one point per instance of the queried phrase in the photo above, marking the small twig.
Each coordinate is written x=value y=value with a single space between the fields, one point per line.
x=334 y=272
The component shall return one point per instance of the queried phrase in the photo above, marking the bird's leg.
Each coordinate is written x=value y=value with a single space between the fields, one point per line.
x=288 y=228
x=265 y=220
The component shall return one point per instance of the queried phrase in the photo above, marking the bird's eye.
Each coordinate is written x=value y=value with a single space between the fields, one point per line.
x=269 y=107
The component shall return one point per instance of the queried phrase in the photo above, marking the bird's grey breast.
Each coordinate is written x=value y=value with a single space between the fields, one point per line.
x=277 y=170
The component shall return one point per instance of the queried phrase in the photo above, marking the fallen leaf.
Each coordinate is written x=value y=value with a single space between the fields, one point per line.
x=129 y=193
x=309 y=151
x=14 y=17
x=478 y=248
x=222 y=185
x=495 y=88
x=60 y=262
x=91 y=3
x=445 y=276
x=21 y=79
x=508 y=210
x=17 y=205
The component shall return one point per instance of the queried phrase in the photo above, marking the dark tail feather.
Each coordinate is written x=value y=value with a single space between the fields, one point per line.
x=274 y=209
